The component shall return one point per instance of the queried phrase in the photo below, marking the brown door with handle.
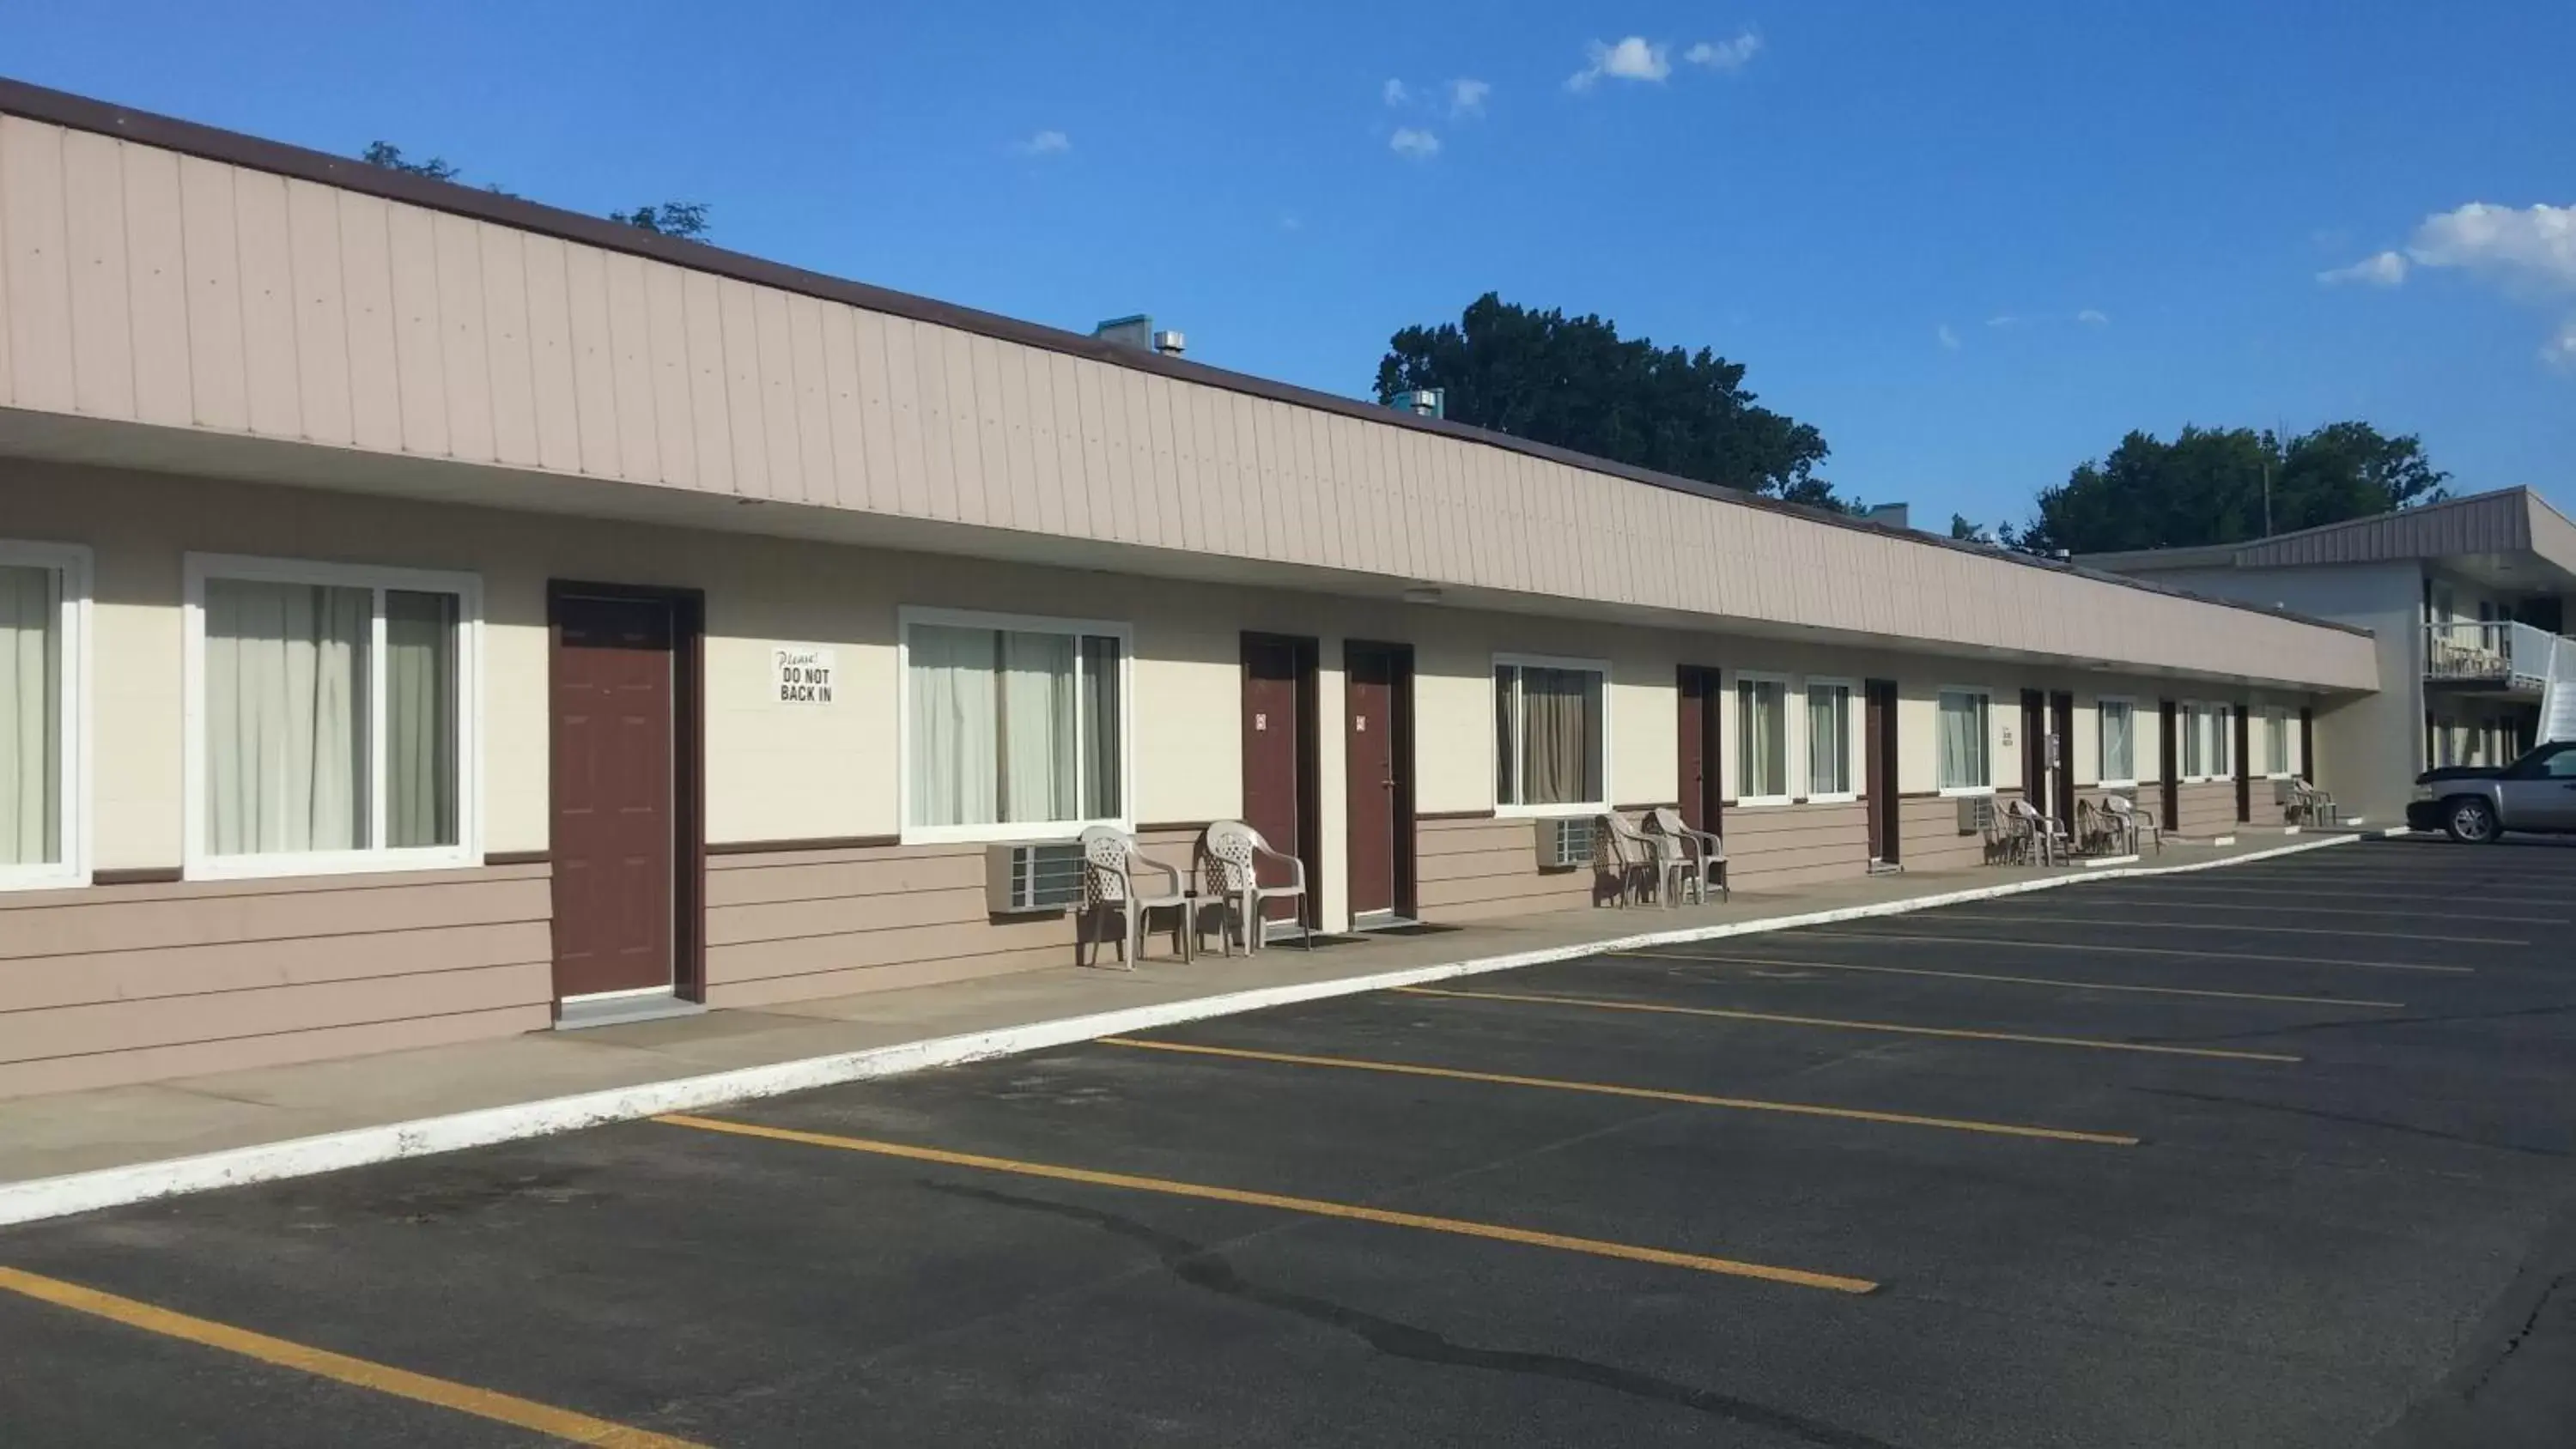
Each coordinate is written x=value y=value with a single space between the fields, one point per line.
x=2034 y=748
x=1379 y=683
x=2169 y=759
x=1878 y=767
x=623 y=779
x=2244 y=766
x=2307 y=744
x=1702 y=786
x=2061 y=778
x=1279 y=759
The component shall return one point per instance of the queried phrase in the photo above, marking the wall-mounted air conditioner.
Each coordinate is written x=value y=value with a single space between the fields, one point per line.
x=1566 y=844
x=1028 y=879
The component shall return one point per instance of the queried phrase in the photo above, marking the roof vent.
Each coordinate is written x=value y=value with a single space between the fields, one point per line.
x=1138 y=332
x=1426 y=402
x=1892 y=515
x=1170 y=343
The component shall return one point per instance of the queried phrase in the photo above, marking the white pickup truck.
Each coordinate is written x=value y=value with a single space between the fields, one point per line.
x=2478 y=803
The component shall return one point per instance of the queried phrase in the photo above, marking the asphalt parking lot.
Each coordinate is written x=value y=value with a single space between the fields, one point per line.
x=2281 y=1154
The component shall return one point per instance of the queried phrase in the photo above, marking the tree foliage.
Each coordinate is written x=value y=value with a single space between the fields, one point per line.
x=1574 y=382
x=2208 y=486
x=671 y=218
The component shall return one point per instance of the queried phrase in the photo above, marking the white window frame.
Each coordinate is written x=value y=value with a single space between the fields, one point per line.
x=1791 y=757
x=1014 y=833
x=1494 y=750
x=1956 y=792
x=197 y=862
x=2130 y=704
x=2276 y=762
x=71 y=564
x=1851 y=689
x=2217 y=748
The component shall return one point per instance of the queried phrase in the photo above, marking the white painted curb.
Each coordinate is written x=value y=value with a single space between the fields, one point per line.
x=79 y=1192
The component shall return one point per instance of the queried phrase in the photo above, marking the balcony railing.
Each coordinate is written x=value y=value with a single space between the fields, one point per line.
x=2516 y=656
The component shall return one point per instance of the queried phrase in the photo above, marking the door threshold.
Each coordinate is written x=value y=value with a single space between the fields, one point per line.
x=618 y=1008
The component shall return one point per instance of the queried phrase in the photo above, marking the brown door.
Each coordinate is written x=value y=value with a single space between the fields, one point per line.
x=2244 y=767
x=2061 y=793
x=1380 y=796
x=2034 y=747
x=1279 y=758
x=2307 y=744
x=1878 y=767
x=614 y=771
x=2169 y=755
x=1703 y=793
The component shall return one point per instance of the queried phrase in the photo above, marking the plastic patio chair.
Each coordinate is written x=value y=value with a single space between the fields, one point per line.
x=1702 y=852
x=1110 y=862
x=1233 y=852
x=1622 y=852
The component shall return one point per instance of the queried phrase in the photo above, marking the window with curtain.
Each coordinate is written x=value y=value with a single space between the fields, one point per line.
x=1761 y=739
x=2222 y=736
x=1015 y=726
x=333 y=716
x=1828 y=739
x=32 y=627
x=2276 y=741
x=1963 y=741
x=2195 y=741
x=1548 y=735
x=2119 y=720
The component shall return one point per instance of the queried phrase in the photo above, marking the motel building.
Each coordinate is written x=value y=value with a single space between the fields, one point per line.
x=426 y=615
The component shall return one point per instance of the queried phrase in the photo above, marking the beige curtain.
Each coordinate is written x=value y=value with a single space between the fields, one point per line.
x=31 y=760
x=1828 y=739
x=1560 y=731
x=1103 y=795
x=2119 y=750
x=1761 y=765
x=286 y=726
x=950 y=675
x=420 y=719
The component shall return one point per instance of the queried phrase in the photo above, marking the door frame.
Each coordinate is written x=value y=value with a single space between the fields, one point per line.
x=2061 y=723
x=2169 y=765
x=2307 y=744
x=2244 y=727
x=1309 y=845
x=1707 y=684
x=2034 y=747
x=688 y=765
x=1399 y=708
x=1879 y=755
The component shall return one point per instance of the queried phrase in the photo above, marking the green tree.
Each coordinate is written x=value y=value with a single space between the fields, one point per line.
x=390 y=157
x=1967 y=532
x=2210 y=485
x=1574 y=382
x=671 y=218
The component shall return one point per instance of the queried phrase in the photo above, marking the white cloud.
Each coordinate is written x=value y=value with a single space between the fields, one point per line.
x=1949 y=339
x=1633 y=58
x=1412 y=141
x=1046 y=143
x=2561 y=350
x=1395 y=93
x=2093 y=317
x=1726 y=54
x=2528 y=251
x=1467 y=97
x=2003 y=319
x=2384 y=270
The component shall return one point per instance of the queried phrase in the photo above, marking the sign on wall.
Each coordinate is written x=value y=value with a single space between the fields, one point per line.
x=801 y=675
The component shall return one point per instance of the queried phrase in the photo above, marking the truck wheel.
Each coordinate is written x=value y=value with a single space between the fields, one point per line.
x=2471 y=821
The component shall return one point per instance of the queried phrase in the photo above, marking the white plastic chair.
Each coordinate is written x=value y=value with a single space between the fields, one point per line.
x=1701 y=852
x=1233 y=852
x=1622 y=852
x=1109 y=867
x=2134 y=823
x=2046 y=839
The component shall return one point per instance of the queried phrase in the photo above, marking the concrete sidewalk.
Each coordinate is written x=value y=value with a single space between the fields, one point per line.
x=82 y=1150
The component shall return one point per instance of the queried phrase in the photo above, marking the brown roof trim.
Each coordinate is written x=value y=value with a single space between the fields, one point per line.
x=784 y=847
x=80 y=113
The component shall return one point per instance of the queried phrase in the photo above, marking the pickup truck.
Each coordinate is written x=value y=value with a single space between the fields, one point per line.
x=2479 y=803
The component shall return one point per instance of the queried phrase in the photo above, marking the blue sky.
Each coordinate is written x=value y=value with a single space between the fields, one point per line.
x=1972 y=244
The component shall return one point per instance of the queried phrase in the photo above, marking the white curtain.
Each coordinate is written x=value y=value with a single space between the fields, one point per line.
x=2119 y=755
x=1761 y=766
x=1102 y=751
x=1828 y=739
x=286 y=728
x=420 y=719
x=1037 y=728
x=1963 y=742
x=1507 y=710
x=30 y=716
x=951 y=676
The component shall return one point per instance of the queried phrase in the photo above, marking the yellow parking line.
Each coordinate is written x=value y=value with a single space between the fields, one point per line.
x=1314 y=1207
x=1651 y=1094
x=1957 y=1033
x=1817 y=933
x=503 y=1408
x=2374 y=933
x=2277 y=904
x=2009 y=980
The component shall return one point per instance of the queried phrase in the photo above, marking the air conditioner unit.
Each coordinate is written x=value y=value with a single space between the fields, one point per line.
x=1976 y=814
x=1029 y=879
x=1566 y=844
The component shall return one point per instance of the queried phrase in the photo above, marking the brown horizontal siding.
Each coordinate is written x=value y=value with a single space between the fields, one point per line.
x=128 y=983
x=1473 y=869
x=1778 y=847
x=1929 y=837
x=2208 y=809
